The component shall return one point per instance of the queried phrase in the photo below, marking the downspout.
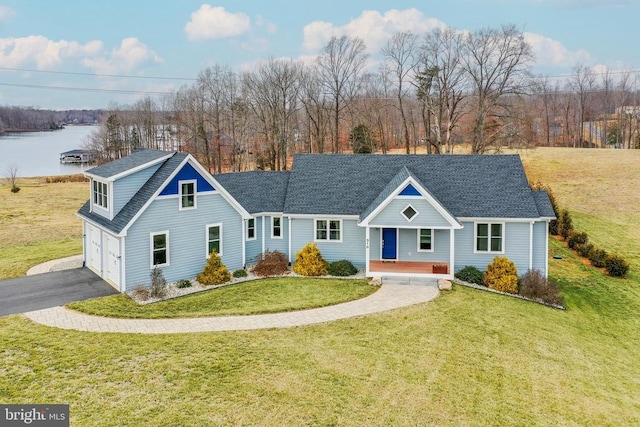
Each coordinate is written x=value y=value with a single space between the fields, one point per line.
x=289 y=232
x=531 y=245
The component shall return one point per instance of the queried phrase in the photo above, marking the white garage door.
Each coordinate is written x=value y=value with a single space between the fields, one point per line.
x=113 y=259
x=95 y=250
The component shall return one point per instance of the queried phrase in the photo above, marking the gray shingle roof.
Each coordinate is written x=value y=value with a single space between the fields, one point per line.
x=545 y=209
x=136 y=203
x=466 y=185
x=137 y=158
x=257 y=191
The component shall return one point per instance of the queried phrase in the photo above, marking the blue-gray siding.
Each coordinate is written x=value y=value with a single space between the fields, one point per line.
x=540 y=236
x=352 y=246
x=187 y=244
x=253 y=248
x=271 y=244
x=125 y=188
x=515 y=241
x=427 y=215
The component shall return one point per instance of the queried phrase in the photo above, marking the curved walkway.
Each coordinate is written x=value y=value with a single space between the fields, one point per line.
x=391 y=295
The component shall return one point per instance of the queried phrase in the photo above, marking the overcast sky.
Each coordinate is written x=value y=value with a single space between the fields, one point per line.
x=125 y=46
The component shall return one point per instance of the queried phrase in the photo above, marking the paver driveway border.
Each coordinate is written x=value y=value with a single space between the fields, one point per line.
x=391 y=295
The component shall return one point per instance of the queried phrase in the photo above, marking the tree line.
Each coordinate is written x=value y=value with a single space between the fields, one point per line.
x=438 y=91
x=28 y=119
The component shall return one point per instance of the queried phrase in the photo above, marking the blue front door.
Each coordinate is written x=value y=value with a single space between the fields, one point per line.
x=389 y=243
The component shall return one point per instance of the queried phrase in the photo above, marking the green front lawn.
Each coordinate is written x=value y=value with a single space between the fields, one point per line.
x=253 y=297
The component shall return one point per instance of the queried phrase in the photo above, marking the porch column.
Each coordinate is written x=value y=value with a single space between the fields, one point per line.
x=452 y=251
x=366 y=252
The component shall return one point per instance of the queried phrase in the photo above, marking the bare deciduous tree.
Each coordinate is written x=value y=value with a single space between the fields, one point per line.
x=12 y=178
x=340 y=64
x=497 y=62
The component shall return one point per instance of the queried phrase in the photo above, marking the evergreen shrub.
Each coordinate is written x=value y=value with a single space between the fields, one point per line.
x=214 y=273
x=501 y=275
x=342 y=268
x=470 y=274
x=309 y=261
x=616 y=265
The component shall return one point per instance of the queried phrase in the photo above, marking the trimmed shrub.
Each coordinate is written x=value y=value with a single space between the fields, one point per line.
x=184 y=283
x=158 y=284
x=214 y=273
x=342 y=268
x=309 y=261
x=553 y=224
x=584 y=249
x=470 y=274
x=535 y=286
x=598 y=257
x=565 y=224
x=576 y=238
x=501 y=275
x=616 y=265
x=271 y=263
x=240 y=273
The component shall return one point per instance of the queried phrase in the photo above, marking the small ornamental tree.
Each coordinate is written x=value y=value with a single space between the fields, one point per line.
x=214 y=273
x=309 y=261
x=501 y=275
x=158 y=283
x=565 y=224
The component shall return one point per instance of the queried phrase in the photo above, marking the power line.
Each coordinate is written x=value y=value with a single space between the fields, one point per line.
x=86 y=89
x=70 y=73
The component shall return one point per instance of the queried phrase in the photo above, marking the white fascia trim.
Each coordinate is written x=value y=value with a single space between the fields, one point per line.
x=321 y=216
x=132 y=170
x=425 y=194
x=497 y=219
x=411 y=227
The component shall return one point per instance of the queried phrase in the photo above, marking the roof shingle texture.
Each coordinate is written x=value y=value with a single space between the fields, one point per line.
x=468 y=186
x=137 y=158
x=257 y=191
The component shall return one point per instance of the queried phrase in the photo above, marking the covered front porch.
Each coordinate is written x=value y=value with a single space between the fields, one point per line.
x=410 y=267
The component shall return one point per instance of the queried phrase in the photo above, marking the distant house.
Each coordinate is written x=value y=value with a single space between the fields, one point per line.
x=390 y=215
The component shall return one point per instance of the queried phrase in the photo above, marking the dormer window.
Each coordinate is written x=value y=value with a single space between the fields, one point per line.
x=101 y=194
x=187 y=194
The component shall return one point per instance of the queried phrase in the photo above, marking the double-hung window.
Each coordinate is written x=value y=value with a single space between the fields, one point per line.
x=214 y=239
x=328 y=230
x=490 y=237
x=251 y=229
x=187 y=194
x=101 y=194
x=276 y=227
x=159 y=249
x=425 y=240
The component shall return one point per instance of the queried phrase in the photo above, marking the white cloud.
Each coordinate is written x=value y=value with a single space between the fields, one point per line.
x=263 y=23
x=41 y=52
x=6 y=14
x=372 y=26
x=549 y=52
x=211 y=22
x=131 y=54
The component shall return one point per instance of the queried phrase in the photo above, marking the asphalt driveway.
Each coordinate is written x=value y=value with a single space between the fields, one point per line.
x=47 y=290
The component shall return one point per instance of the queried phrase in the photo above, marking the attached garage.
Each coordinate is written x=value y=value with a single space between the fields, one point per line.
x=103 y=254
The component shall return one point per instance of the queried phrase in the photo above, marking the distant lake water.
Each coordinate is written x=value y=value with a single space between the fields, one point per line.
x=38 y=153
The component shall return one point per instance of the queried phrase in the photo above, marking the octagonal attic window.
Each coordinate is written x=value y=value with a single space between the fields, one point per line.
x=409 y=213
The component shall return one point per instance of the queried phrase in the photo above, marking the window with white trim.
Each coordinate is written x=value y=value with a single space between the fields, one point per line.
x=489 y=237
x=187 y=194
x=101 y=194
x=276 y=227
x=251 y=229
x=425 y=240
x=328 y=230
x=159 y=249
x=214 y=239
x=409 y=213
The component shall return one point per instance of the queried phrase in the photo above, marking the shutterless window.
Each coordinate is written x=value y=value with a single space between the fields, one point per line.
x=213 y=239
x=159 y=251
x=327 y=229
x=425 y=240
x=489 y=237
x=188 y=195
x=276 y=229
x=100 y=194
x=251 y=228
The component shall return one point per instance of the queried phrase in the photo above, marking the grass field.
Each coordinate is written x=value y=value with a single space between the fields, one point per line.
x=467 y=358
